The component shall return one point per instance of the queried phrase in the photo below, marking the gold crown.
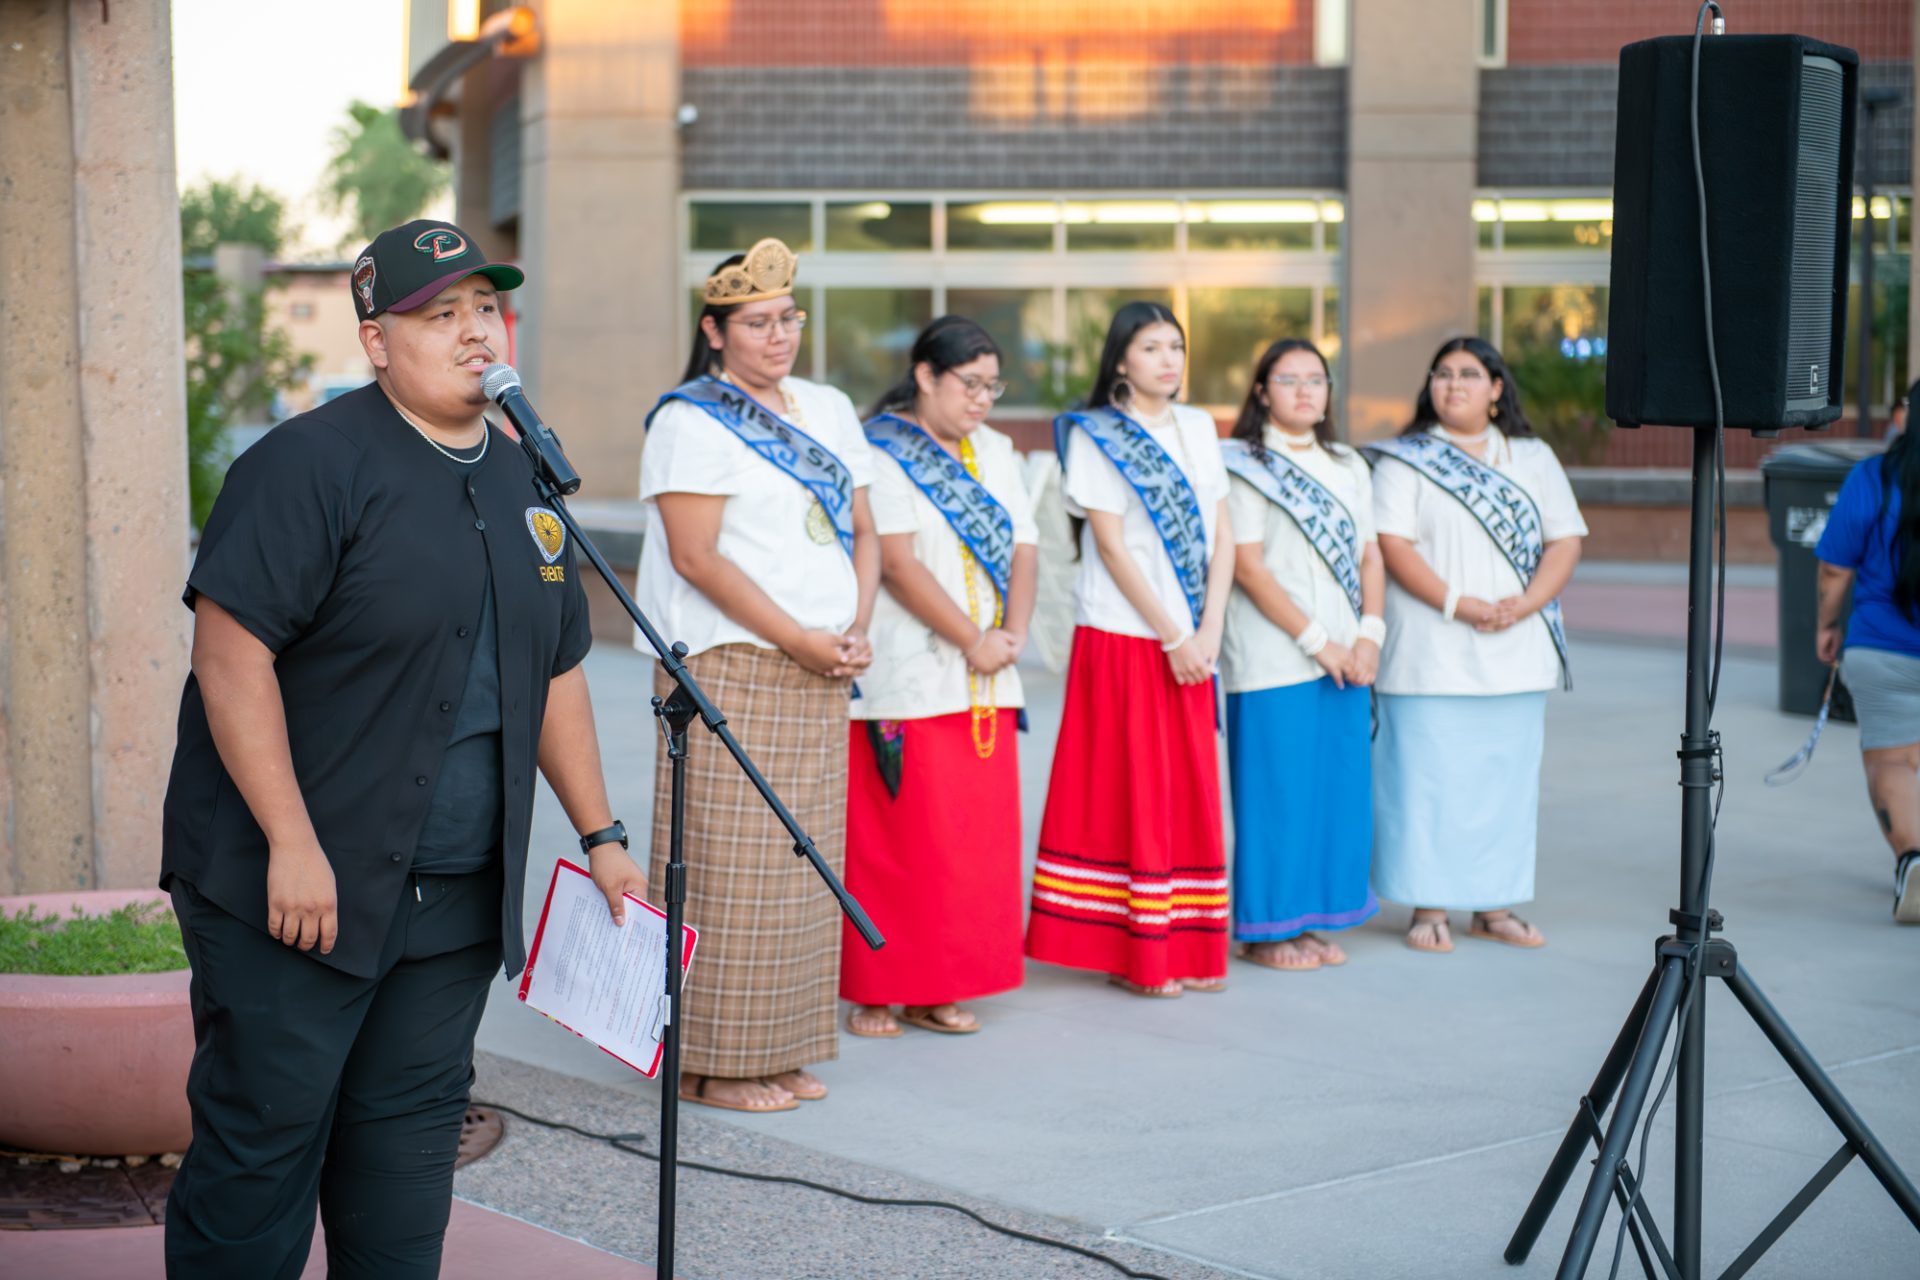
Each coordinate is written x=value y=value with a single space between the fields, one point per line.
x=767 y=272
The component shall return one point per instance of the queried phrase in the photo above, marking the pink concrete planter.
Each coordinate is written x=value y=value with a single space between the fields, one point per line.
x=94 y=1065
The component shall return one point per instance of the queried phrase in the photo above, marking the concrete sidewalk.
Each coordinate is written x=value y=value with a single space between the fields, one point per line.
x=1386 y=1119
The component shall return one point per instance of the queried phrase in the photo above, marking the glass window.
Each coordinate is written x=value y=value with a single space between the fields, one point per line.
x=1555 y=342
x=1231 y=327
x=735 y=226
x=1089 y=314
x=1483 y=312
x=869 y=333
x=879 y=226
x=1002 y=224
x=1021 y=321
x=1255 y=224
x=1557 y=224
x=1486 y=217
x=1330 y=343
x=1333 y=217
x=1889 y=371
x=1121 y=225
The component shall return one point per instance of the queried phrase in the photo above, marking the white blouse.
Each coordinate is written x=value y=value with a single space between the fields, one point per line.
x=1426 y=654
x=1255 y=653
x=764 y=524
x=915 y=673
x=1093 y=483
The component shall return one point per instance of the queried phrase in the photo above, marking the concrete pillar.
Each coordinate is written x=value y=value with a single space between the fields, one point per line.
x=92 y=442
x=603 y=326
x=1412 y=103
x=133 y=399
x=473 y=163
x=49 y=827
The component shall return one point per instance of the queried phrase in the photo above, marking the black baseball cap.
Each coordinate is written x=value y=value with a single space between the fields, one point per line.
x=408 y=266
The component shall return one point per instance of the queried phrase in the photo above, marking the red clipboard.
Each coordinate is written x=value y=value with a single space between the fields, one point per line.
x=687 y=932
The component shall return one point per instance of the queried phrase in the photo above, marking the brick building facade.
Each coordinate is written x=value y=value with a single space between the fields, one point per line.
x=1374 y=176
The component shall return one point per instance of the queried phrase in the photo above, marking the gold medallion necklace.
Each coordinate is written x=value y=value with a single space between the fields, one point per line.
x=987 y=713
x=818 y=524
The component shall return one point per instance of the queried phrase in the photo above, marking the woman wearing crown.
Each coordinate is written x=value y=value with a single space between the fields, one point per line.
x=933 y=803
x=760 y=556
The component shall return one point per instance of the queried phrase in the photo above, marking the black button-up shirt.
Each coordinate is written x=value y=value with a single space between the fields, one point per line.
x=344 y=543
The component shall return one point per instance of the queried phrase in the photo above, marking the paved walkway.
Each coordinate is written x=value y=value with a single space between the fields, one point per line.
x=1382 y=1120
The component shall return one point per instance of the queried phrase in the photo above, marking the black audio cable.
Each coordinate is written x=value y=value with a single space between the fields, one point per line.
x=622 y=1142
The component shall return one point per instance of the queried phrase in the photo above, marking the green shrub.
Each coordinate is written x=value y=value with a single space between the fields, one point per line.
x=141 y=937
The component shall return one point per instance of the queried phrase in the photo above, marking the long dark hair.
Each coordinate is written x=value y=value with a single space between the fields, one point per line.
x=1109 y=388
x=1252 y=423
x=1900 y=466
x=1507 y=415
x=701 y=362
x=942 y=346
x=1127 y=321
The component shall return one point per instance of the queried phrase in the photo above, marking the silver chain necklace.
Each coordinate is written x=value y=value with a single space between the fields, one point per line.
x=486 y=438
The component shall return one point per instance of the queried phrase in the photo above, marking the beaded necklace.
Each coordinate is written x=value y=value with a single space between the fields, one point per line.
x=987 y=713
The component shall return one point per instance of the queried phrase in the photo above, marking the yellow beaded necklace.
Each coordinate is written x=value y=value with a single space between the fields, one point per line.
x=988 y=713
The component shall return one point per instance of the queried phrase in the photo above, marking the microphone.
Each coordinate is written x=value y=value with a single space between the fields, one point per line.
x=502 y=386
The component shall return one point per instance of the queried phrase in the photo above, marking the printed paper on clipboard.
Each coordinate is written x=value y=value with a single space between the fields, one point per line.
x=604 y=983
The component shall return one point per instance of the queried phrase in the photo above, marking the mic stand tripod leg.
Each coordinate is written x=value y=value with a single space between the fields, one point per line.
x=1633 y=1096
x=1825 y=1092
x=675 y=713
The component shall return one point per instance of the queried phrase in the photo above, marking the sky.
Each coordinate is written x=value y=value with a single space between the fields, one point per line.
x=259 y=85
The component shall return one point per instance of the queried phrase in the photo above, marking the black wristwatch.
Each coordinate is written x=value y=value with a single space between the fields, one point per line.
x=605 y=835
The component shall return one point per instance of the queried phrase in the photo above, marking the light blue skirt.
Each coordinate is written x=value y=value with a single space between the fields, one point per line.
x=1302 y=809
x=1456 y=799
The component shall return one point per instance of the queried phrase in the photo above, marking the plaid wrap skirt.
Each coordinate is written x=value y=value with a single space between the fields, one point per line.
x=761 y=997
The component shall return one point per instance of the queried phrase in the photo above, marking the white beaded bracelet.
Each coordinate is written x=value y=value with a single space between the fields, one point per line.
x=1453 y=602
x=1313 y=639
x=1168 y=646
x=1374 y=627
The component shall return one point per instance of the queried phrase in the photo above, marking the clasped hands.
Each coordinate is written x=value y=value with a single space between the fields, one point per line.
x=1493 y=615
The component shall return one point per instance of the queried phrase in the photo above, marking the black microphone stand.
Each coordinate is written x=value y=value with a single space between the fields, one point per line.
x=552 y=477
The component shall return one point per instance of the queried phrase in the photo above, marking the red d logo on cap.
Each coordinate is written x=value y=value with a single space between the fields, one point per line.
x=441 y=242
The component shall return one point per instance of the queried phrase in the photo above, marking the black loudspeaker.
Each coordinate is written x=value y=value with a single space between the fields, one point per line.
x=1776 y=146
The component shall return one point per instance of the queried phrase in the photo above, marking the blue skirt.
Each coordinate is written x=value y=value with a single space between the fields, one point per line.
x=1456 y=799
x=1302 y=809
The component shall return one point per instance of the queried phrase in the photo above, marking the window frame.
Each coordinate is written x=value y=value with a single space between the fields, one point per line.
x=1058 y=268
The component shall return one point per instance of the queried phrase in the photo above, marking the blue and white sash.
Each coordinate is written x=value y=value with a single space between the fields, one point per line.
x=977 y=517
x=1505 y=510
x=1324 y=519
x=812 y=465
x=1162 y=486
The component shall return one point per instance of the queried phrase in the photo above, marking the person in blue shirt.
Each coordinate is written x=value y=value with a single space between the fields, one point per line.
x=1872 y=544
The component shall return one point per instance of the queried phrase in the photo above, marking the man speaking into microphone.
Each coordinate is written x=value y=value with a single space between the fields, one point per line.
x=388 y=627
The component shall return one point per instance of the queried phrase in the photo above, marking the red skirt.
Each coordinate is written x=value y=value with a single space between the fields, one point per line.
x=1131 y=878
x=937 y=867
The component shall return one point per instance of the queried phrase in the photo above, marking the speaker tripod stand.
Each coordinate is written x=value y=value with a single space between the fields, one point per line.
x=1683 y=962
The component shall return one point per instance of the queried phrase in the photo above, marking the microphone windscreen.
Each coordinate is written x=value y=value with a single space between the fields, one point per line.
x=496 y=379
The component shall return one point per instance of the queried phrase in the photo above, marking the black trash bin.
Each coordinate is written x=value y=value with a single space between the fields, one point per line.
x=1802 y=482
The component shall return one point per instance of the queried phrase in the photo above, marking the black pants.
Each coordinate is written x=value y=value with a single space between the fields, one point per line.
x=310 y=1083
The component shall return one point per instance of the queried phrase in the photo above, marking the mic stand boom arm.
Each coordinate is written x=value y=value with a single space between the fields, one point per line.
x=678 y=710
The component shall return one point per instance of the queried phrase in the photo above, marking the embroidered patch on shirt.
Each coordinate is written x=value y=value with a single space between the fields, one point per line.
x=548 y=533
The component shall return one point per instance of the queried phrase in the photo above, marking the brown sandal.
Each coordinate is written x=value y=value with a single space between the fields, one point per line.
x=1443 y=936
x=1530 y=938
x=1205 y=986
x=926 y=1020
x=699 y=1096
x=1251 y=953
x=1172 y=990
x=891 y=1033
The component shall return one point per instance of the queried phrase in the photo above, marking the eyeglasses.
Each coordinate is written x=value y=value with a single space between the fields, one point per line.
x=973 y=386
x=760 y=328
x=1288 y=381
x=1465 y=377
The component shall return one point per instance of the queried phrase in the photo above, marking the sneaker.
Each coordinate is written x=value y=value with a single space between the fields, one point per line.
x=1906 y=888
